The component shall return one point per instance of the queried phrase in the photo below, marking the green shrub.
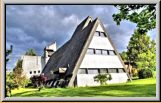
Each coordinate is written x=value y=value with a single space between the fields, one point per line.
x=145 y=73
x=102 y=78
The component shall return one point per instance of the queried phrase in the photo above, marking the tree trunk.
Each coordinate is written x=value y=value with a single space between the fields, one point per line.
x=152 y=73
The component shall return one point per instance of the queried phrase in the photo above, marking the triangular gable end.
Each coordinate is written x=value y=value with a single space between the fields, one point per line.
x=92 y=43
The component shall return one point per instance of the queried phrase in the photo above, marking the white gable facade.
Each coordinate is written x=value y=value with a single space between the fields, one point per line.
x=100 y=58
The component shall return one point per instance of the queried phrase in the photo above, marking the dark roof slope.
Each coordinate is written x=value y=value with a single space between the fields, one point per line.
x=70 y=51
x=54 y=59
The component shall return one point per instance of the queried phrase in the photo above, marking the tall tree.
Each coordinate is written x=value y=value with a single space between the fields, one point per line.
x=31 y=52
x=19 y=64
x=8 y=51
x=124 y=56
x=142 y=50
x=145 y=20
x=15 y=80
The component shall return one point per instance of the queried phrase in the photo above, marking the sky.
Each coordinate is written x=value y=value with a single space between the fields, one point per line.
x=38 y=26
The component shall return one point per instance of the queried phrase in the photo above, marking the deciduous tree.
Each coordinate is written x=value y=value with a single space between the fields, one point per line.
x=145 y=19
x=141 y=50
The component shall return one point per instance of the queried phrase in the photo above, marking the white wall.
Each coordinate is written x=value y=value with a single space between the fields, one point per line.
x=87 y=79
x=100 y=43
x=31 y=63
x=101 y=61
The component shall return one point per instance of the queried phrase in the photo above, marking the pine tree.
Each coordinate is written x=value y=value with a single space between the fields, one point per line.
x=31 y=52
x=8 y=51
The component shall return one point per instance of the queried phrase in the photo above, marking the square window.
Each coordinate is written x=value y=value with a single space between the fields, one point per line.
x=92 y=71
x=104 y=52
x=38 y=71
x=90 y=51
x=82 y=71
x=121 y=70
x=112 y=70
x=30 y=72
x=96 y=33
x=102 y=70
x=34 y=72
x=102 y=34
x=98 y=51
x=111 y=52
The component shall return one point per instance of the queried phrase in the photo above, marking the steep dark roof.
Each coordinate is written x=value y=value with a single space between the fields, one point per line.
x=70 y=51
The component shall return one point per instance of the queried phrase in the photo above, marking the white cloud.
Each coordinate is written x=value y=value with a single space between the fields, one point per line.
x=69 y=20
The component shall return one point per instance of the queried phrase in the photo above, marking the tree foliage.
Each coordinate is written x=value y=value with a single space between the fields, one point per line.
x=15 y=80
x=18 y=64
x=8 y=51
x=124 y=56
x=141 y=50
x=145 y=20
x=102 y=78
x=31 y=52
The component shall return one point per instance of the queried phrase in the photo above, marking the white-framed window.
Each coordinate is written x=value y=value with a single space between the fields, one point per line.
x=82 y=71
x=92 y=71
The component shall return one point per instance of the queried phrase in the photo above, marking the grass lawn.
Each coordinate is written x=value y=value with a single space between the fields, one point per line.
x=136 y=88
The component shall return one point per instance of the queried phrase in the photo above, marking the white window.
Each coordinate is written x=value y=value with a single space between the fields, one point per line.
x=103 y=70
x=112 y=70
x=98 y=51
x=96 y=33
x=82 y=71
x=102 y=34
x=92 y=71
x=90 y=51
x=121 y=70
x=104 y=52
x=111 y=52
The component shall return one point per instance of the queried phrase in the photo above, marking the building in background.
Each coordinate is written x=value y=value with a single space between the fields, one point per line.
x=89 y=51
x=33 y=65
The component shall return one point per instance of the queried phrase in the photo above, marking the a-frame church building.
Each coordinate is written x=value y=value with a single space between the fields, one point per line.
x=89 y=51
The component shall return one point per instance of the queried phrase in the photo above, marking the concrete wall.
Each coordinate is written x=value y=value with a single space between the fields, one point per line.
x=101 y=61
x=100 y=43
x=32 y=63
x=87 y=79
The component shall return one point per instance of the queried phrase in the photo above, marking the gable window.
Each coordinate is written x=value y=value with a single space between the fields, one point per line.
x=90 y=51
x=82 y=71
x=30 y=72
x=104 y=52
x=103 y=70
x=121 y=70
x=102 y=34
x=93 y=71
x=111 y=52
x=97 y=33
x=112 y=70
x=98 y=51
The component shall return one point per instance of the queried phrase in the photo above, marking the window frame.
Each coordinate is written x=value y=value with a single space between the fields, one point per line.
x=93 y=69
x=82 y=69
